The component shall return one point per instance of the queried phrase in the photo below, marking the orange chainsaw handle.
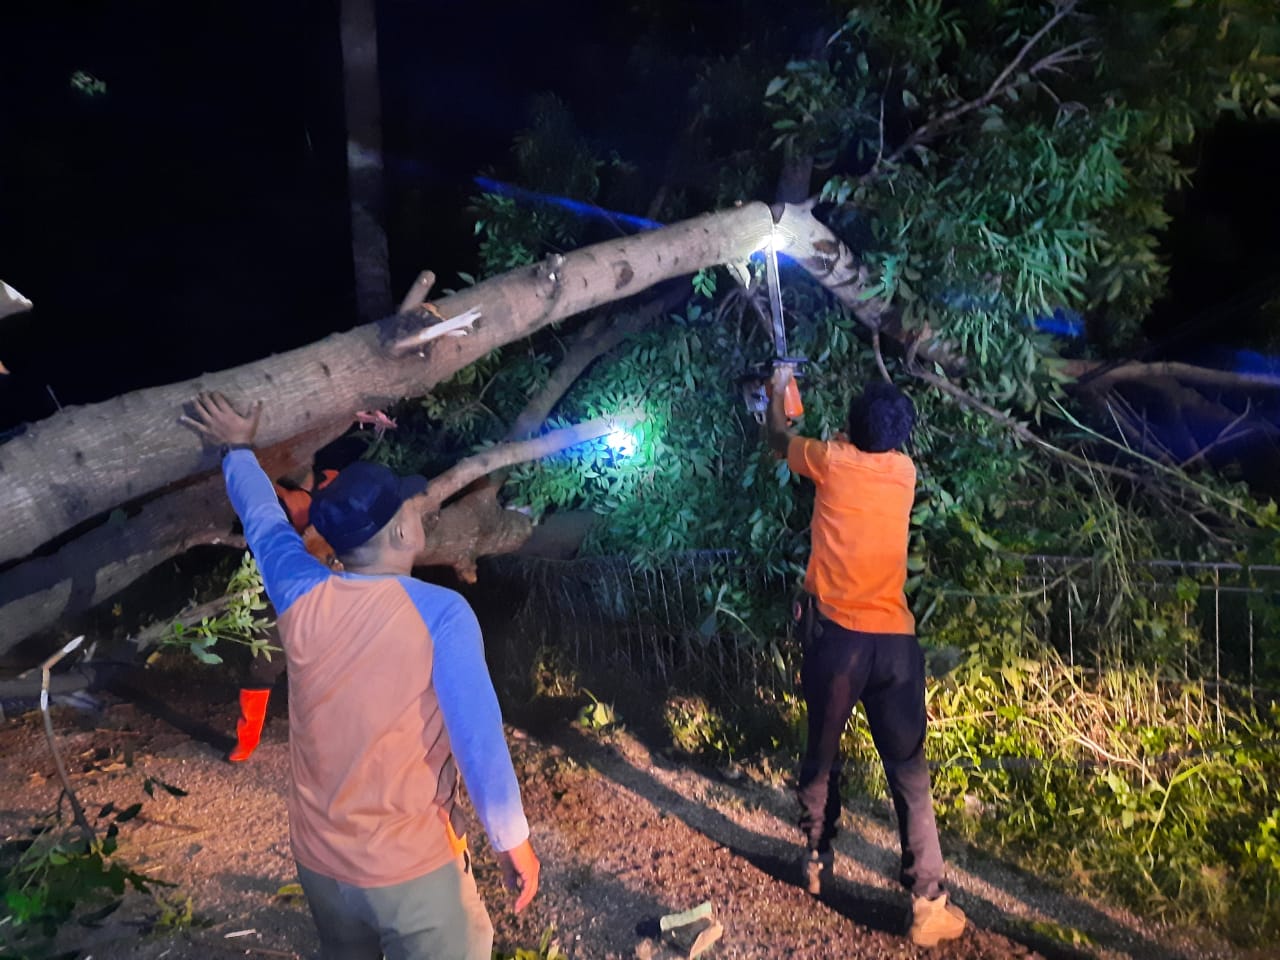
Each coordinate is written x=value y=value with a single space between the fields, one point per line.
x=792 y=406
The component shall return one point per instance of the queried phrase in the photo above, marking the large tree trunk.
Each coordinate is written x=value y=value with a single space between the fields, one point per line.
x=85 y=460
x=79 y=464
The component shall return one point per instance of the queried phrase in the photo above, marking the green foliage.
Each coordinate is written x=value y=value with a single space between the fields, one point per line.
x=981 y=188
x=597 y=715
x=240 y=623
x=87 y=85
x=700 y=729
x=62 y=876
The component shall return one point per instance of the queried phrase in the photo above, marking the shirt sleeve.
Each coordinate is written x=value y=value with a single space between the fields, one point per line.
x=288 y=571
x=809 y=458
x=471 y=714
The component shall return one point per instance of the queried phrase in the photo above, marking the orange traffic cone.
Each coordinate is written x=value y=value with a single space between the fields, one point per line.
x=253 y=713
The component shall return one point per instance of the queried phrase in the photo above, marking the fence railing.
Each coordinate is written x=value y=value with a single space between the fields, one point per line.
x=697 y=612
x=712 y=613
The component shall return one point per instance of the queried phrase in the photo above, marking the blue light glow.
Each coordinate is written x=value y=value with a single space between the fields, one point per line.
x=565 y=203
x=1062 y=323
x=621 y=443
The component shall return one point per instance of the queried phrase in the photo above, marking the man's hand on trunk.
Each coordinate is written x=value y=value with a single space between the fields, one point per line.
x=215 y=417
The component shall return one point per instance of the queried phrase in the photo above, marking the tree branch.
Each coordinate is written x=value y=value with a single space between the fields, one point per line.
x=1002 y=82
x=1017 y=427
x=596 y=338
x=1092 y=374
x=467 y=471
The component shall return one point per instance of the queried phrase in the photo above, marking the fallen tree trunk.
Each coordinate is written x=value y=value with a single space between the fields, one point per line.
x=80 y=463
x=85 y=460
x=106 y=559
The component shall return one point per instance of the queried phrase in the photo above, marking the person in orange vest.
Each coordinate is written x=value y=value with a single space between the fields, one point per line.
x=255 y=694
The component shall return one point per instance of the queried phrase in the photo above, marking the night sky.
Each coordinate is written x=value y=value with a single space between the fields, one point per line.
x=194 y=216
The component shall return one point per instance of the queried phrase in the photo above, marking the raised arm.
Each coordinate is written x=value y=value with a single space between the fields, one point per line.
x=288 y=571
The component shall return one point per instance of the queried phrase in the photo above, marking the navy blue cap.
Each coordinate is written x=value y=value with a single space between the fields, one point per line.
x=359 y=502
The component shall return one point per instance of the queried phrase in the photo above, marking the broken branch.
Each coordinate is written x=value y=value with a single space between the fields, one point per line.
x=473 y=468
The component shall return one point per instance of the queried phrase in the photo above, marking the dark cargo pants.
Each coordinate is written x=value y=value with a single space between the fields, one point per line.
x=886 y=672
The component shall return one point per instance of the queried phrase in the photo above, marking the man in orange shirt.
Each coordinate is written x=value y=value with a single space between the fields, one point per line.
x=861 y=643
x=390 y=708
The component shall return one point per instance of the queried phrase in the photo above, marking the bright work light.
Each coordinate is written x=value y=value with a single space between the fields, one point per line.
x=621 y=443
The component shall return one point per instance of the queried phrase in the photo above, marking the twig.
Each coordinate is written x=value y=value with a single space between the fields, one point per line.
x=875 y=345
x=1223 y=436
x=418 y=292
x=1001 y=82
x=251 y=948
x=76 y=810
x=883 y=93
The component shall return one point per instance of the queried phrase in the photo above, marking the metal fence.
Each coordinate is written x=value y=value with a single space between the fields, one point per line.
x=702 y=612
x=1228 y=613
x=711 y=613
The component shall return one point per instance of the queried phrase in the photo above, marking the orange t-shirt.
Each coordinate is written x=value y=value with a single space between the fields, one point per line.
x=858 y=558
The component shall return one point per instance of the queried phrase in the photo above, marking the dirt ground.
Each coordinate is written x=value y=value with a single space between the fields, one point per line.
x=625 y=833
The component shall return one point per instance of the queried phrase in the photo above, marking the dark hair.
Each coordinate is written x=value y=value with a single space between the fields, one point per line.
x=881 y=418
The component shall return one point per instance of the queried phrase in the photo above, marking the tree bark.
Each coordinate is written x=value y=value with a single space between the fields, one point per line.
x=80 y=463
x=85 y=460
x=106 y=559
x=473 y=526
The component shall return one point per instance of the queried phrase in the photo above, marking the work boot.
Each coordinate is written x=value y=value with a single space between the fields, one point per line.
x=933 y=921
x=253 y=713
x=818 y=866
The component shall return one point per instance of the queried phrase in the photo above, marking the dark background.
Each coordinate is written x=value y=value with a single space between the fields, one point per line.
x=195 y=216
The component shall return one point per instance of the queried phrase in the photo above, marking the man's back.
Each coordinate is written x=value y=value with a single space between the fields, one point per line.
x=861 y=518
x=372 y=767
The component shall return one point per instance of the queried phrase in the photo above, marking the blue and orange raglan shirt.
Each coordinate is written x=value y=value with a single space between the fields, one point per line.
x=389 y=699
x=861 y=519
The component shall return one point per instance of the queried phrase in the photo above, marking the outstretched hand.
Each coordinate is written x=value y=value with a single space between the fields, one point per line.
x=217 y=419
x=520 y=869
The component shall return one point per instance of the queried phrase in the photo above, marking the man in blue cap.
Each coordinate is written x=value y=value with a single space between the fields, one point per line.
x=389 y=701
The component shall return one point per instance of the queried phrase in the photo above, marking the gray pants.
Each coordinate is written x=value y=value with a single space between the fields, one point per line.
x=886 y=672
x=439 y=916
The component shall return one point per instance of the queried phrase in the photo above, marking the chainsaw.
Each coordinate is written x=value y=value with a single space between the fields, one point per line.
x=755 y=380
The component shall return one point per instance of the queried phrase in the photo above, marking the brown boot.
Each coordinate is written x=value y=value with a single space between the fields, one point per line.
x=933 y=921
x=253 y=713
x=818 y=867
